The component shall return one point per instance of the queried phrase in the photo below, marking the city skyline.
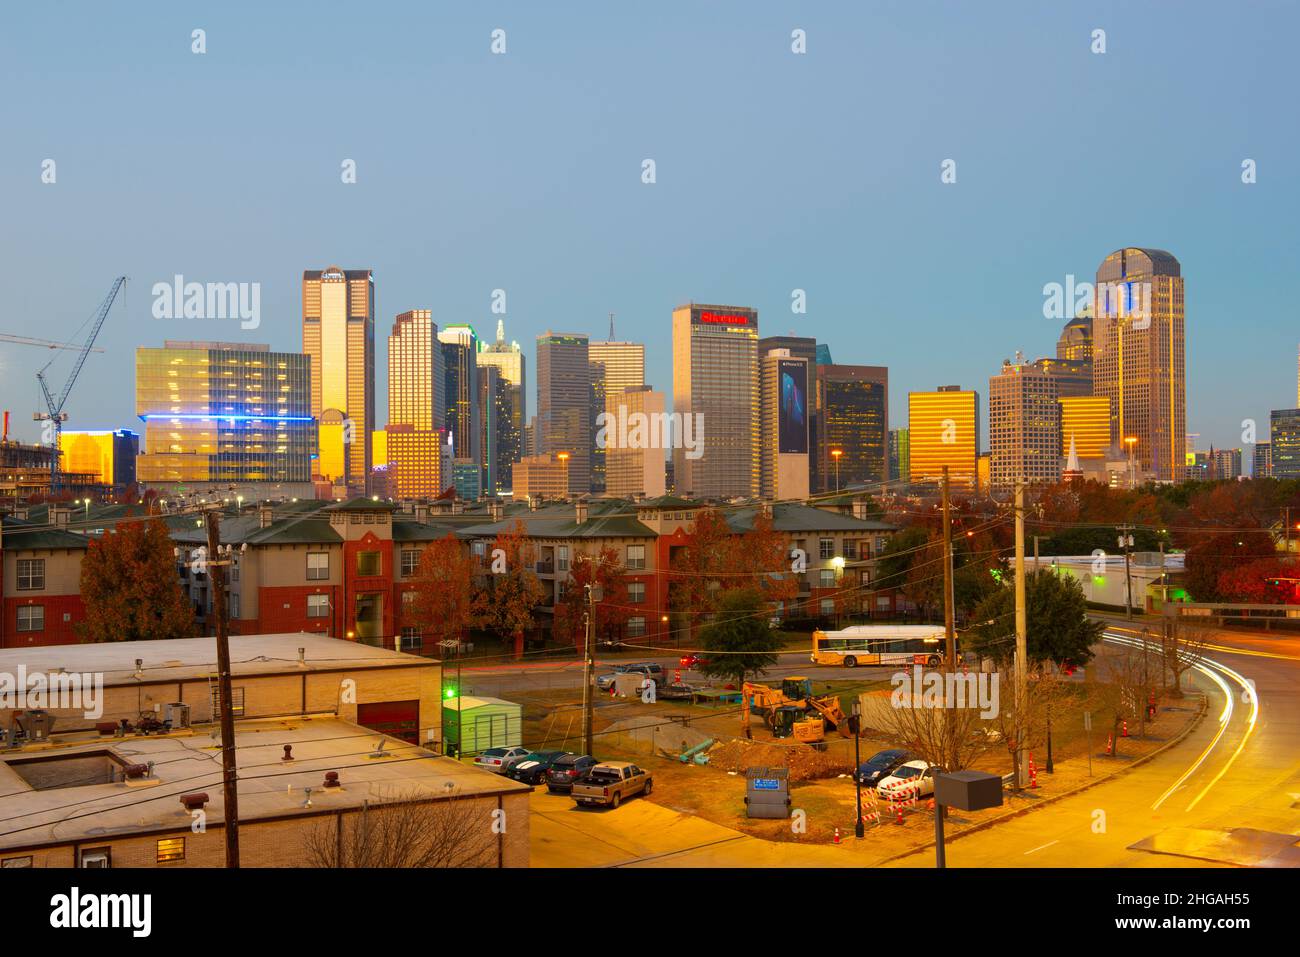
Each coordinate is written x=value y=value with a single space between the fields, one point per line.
x=294 y=211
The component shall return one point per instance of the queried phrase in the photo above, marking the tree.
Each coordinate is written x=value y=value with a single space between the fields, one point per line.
x=1265 y=581
x=1046 y=695
x=505 y=605
x=739 y=639
x=612 y=609
x=759 y=558
x=1182 y=645
x=1211 y=555
x=129 y=585
x=407 y=830
x=444 y=590
x=951 y=737
x=1058 y=627
x=698 y=568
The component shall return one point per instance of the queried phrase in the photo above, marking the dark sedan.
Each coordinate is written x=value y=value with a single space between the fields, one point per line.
x=567 y=769
x=532 y=769
x=880 y=765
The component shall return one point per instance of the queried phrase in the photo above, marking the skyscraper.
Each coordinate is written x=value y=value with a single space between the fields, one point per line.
x=615 y=367
x=1086 y=419
x=785 y=431
x=338 y=334
x=802 y=347
x=1284 y=443
x=715 y=381
x=225 y=412
x=943 y=429
x=1263 y=460
x=1138 y=340
x=416 y=407
x=634 y=463
x=900 y=451
x=1024 y=426
x=108 y=455
x=494 y=402
x=461 y=392
x=564 y=396
x=852 y=418
x=508 y=358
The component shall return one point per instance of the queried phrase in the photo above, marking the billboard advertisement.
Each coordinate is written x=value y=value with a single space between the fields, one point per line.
x=792 y=418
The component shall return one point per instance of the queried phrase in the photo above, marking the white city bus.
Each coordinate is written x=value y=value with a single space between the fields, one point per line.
x=879 y=645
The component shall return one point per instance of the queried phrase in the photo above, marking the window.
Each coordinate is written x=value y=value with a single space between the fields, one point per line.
x=562 y=558
x=318 y=606
x=635 y=627
x=368 y=563
x=826 y=578
x=96 y=857
x=16 y=862
x=408 y=603
x=411 y=639
x=636 y=556
x=410 y=562
x=826 y=547
x=318 y=566
x=236 y=702
x=827 y=606
x=864 y=578
x=31 y=574
x=479 y=549
x=850 y=550
x=31 y=617
x=232 y=605
x=171 y=849
x=636 y=592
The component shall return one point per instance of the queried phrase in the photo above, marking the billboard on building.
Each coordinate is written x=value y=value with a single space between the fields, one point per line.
x=792 y=418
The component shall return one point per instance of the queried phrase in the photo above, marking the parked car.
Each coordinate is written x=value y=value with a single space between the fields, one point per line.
x=532 y=769
x=678 y=690
x=692 y=660
x=605 y=682
x=908 y=779
x=498 y=760
x=609 y=782
x=565 y=772
x=880 y=765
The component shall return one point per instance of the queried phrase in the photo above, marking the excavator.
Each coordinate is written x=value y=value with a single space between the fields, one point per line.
x=782 y=707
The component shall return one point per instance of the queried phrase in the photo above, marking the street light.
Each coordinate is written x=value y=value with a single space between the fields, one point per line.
x=855 y=725
x=1131 y=442
x=835 y=454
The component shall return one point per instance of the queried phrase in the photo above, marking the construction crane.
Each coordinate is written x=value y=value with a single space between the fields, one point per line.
x=46 y=343
x=55 y=414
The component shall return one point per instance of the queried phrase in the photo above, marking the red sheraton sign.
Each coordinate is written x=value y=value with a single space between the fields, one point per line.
x=724 y=318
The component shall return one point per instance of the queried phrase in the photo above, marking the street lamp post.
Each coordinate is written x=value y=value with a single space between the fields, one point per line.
x=835 y=454
x=855 y=724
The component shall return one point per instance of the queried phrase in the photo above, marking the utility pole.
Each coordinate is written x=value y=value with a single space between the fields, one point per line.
x=1126 y=542
x=1022 y=639
x=587 y=669
x=950 y=636
x=229 y=775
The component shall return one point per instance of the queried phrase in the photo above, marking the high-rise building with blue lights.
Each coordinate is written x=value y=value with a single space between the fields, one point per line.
x=225 y=413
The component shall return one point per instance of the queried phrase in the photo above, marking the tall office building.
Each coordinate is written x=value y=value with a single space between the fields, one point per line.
x=1225 y=464
x=1073 y=376
x=785 y=431
x=634 y=460
x=943 y=429
x=900 y=464
x=508 y=359
x=1284 y=443
x=1075 y=342
x=802 y=347
x=416 y=408
x=338 y=335
x=223 y=412
x=564 y=395
x=495 y=408
x=1024 y=426
x=1262 y=466
x=715 y=381
x=1138 y=340
x=852 y=418
x=461 y=392
x=108 y=455
x=1086 y=420
x=615 y=367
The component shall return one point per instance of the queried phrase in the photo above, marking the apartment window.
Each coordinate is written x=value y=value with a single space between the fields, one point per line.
x=636 y=592
x=318 y=566
x=826 y=547
x=635 y=627
x=31 y=617
x=635 y=557
x=864 y=578
x=96 y=857
x=368 y=563
x=410 y=562
x=232 y=605
x=826 y=578
x=827 y=606
x=16 y=862
x=318 y=606
x=850 y=550
x=31 y=574
x=408 y=602
x=562 y=558
x=411 y=639
x=479 y=549
x=171 y=849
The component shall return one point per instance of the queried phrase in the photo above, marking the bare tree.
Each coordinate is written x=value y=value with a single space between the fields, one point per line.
x=1047 y=696
x=1183 y=645
x=1127 y=680
x=411 y=829
x=950 y=733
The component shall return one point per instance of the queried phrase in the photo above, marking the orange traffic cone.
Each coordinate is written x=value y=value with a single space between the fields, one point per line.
x=837 y=835
x=898 y=819
x=1110 y=744
x=1124 y=729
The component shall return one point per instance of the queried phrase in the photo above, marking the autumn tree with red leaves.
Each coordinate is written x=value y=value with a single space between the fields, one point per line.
x=507 y=601
x=129 y=586
x=444 y=590
x=612 y=608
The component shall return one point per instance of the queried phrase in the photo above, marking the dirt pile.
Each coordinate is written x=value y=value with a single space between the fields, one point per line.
x=804 y=762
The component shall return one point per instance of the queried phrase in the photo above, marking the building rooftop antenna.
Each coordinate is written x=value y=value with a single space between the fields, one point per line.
x=611 y=327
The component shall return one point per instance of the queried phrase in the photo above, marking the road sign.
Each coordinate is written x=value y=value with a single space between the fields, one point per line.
x=1087 y=721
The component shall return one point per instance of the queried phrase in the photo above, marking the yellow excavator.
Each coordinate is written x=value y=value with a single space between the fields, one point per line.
x=780 y=709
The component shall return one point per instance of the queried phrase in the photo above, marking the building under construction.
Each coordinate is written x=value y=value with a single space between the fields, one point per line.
x=25 y=473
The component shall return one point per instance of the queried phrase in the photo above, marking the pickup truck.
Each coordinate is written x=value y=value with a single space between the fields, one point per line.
x=611 y=781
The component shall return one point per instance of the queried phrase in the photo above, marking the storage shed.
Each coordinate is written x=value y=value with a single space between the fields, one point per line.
x=487 y=723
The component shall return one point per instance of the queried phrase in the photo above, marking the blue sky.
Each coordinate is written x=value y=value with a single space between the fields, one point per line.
x=775 y=172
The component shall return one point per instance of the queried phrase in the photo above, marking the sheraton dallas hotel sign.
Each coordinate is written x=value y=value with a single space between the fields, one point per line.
x=722 y=318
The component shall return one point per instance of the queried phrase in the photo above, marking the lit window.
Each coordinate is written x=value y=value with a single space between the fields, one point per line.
x=171 y=849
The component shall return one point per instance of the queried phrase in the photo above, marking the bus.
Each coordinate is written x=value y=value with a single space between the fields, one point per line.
x=879 y=645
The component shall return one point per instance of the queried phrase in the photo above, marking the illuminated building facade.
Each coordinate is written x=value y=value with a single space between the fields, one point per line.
x=541 y=477
x=1086 y=419
x=512 y=428
x=852 y=417
x=460 y=390
x=803 y=347
x=900 y=465
x=785 y=429
x=564 y=397
x=1024 y=426
x=1263 y=460
x=109 y=456
x=715 y=381
x=338 y=334
x=943 y=429
x=615 y=366
x=233 y=413
x=412 y=443
x=634 y=464
x=1284 y=443
x=1138 y=341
